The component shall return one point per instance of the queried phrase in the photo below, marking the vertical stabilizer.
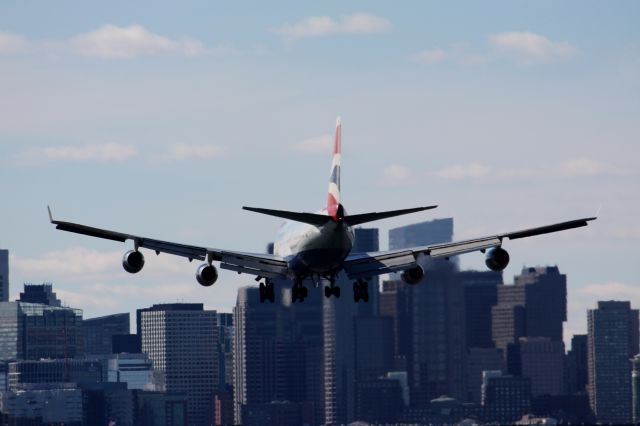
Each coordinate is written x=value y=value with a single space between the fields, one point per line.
x=333 y=198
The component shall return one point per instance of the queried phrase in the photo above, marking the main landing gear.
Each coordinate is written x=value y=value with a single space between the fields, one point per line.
x=360 y=291
x=332 y=289
x=299 y=292
x=267 y=291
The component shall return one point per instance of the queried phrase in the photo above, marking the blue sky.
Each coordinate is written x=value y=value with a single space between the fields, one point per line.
x=163 y=120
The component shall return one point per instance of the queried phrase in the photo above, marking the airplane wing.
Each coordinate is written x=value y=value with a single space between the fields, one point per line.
x=264 y=265
x=363 y=265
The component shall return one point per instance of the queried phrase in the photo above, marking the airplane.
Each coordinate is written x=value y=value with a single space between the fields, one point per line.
x=317 y=246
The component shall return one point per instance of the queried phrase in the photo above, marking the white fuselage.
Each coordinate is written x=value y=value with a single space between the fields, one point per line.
x=313 y=249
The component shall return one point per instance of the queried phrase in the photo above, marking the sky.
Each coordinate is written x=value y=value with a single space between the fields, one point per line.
x=162 y=119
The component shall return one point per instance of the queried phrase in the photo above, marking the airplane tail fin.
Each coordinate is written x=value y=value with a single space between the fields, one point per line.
x=333 y=196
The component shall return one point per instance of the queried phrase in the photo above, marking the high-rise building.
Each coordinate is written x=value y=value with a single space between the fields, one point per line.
x=373 y=351
x=278 y=352
x=225 y=349
x=99 y=332
x=339 y=317
x=480 y=295
x=60 y=403
x=505 y=398
x=4 y=275
x=480 y=360
x=437 y=356
x=134 y=369
x=535 y=306
x=612 y=342
x=635 y=389
x=394 y=303
x=577 y=377
x=181 y=341
x=22 y=373
x=39 y=293
x=542 y=361
x=255 y=335
x=30 y=331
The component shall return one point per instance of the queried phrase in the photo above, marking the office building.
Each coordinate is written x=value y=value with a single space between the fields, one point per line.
x=480 y=360
x=534 y=306
x=99 y=332
x=134 y=369
x=379 y=400
x=394 y=303
x=181 y=341
x=542 y=361
x=160 y=409
x=505 y=398
x=59 y=403
x=24 y=373
x=480 y=295
x=612 y=341
x=30 y=331
x=4 y=275
x=107 y=403
x=635 y=389
x=373 y=351
x=437 y=360
x=40 y=293
x=225 y=349
x=577 y=371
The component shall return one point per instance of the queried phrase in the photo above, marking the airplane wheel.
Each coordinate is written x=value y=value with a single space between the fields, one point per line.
x=304 y=292
x=328 y=291
x=336 y=292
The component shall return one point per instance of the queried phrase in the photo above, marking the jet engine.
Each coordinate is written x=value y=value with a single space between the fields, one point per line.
x=413 y=276
x=133 y=261
x=497 y=259
x=207 y=275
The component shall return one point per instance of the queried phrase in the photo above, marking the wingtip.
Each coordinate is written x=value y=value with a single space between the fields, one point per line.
x=338 y=121
x=50 y=215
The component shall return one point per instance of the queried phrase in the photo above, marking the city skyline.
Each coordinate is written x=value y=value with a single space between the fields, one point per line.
x=166 y=118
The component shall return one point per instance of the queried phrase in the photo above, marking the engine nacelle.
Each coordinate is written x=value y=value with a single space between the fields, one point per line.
x=413 y=276
x=133 y=261
x=207 y=275
x=497 y=259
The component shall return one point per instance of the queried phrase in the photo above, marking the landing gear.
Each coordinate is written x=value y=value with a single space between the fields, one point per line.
x=267 y=292
x=332 y=289
x=360 y=291
x=299 y=292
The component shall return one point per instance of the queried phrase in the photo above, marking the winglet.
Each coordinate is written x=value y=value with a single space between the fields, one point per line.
x=50 y=215
x=599 y=208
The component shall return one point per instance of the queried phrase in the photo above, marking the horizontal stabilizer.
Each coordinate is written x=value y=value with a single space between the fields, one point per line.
x=358 y=219
x=310 y=218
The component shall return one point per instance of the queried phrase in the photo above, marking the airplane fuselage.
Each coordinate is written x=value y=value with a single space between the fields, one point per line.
x=313 y=249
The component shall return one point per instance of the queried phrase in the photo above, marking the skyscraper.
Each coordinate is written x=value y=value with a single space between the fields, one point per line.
x=4 y=275
x=181 y=341
x=31 y=331
x=577 y=365
x=480 y=295
x=542 y=361
x=339 y=318
x=99 y=332
x=535 y=306
x=39 y=293
x=437 y=356
x=612 y=342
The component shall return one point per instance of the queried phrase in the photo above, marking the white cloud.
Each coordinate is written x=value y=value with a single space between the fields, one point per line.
x=185 y=151
x=458 y=53
x=584 y=167
x=572 y=168
x=532 y=48
x=321 y=26
x=12 y=43
x=432 y=56
x=102 y=153
x=395 y=175
x=467 y=171
x=315 y=145
x=113 y=42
